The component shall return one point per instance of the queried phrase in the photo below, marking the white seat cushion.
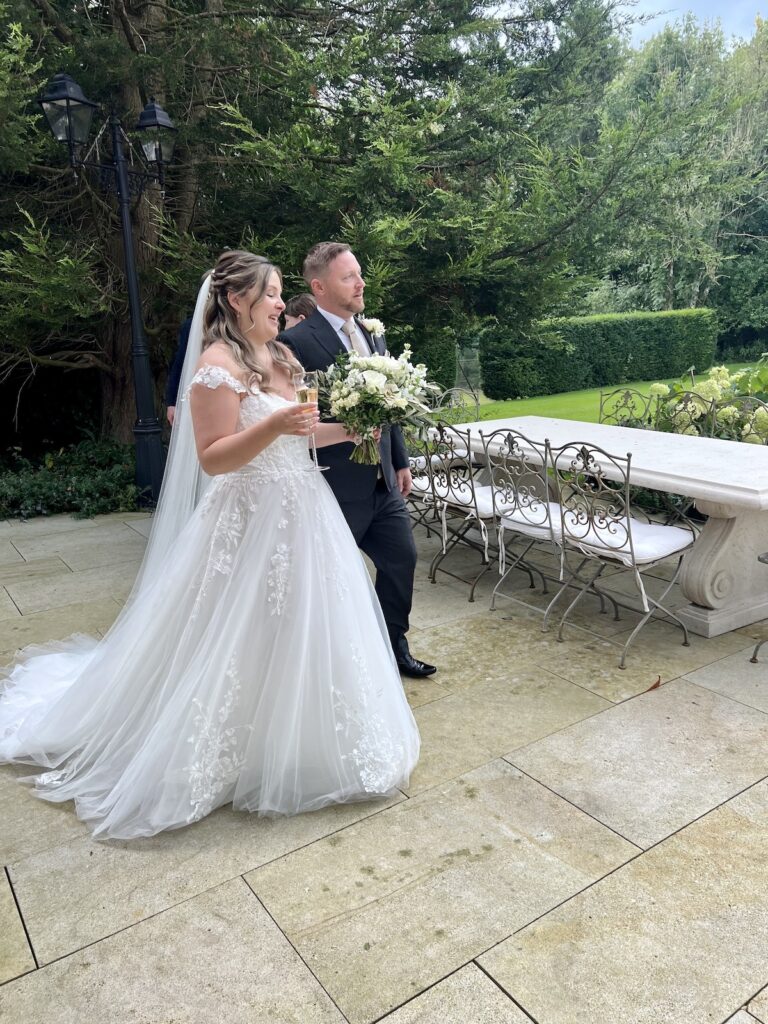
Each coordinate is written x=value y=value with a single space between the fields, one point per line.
x=651 y=541
x=532 y=522
x=419 y=462
x=535 y=521
x=420 y=484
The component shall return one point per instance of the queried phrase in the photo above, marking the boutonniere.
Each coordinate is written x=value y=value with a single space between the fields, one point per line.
x=373 y=326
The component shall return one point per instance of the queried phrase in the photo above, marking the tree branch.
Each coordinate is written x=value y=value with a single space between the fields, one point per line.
x=59 y=29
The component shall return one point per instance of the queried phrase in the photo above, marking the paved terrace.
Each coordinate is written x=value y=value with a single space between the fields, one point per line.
x=575 y=848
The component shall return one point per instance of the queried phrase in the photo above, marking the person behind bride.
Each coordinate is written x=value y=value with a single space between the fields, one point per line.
x=371 y=497
x=251 y=664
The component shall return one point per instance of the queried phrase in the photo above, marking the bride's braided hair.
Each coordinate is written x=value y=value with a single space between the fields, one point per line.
x=238 y=272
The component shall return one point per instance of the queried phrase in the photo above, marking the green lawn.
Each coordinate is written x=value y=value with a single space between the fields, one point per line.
x=569 y=405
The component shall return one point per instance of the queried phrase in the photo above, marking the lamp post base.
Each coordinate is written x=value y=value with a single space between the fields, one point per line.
x=150 y=461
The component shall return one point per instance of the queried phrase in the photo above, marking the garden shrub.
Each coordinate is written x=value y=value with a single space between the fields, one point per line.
x=574 y=353
x=86 y=479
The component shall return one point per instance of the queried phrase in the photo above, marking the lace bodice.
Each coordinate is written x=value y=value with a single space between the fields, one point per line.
x=287 y=454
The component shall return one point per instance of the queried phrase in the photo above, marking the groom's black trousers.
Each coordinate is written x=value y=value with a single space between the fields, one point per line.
x=382 y=529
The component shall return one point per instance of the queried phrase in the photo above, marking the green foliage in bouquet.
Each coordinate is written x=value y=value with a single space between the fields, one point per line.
x=86 y=479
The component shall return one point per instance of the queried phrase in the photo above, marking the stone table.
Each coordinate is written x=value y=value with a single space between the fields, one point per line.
x=728 y=480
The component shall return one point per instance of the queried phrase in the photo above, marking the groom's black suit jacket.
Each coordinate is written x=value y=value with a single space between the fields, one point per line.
x=316 y=346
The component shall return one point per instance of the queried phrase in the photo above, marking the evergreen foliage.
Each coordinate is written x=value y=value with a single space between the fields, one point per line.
x=491 y=167
x=574 y=353
x=87 y=479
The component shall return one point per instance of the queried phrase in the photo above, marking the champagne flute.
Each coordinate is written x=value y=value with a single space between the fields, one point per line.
x=305 y=385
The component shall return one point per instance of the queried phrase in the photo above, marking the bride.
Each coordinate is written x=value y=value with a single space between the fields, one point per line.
x=251 y=664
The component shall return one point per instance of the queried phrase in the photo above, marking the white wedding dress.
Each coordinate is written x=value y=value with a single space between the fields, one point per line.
x=254 y=669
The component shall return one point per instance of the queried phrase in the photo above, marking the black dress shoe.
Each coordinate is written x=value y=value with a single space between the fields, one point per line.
x=410 y=666
x=406 y=663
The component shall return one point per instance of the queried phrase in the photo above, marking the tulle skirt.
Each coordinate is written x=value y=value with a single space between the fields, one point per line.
x=255 y=670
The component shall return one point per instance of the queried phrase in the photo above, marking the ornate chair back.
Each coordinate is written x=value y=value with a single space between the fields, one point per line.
x=593 y=491
x=624 y=407
x=451 y=469
x=517 y=471
x=685 y=413
x=457 y=406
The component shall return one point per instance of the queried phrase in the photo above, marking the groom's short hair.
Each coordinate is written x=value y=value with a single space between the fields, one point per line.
x=319 y=256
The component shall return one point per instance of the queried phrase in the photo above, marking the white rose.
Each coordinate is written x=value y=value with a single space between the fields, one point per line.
x=375 y=380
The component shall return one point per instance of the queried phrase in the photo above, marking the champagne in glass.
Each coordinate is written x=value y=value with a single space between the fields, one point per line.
x=306 y=387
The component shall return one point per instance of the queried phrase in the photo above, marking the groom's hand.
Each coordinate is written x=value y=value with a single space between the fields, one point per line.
x=404 y=481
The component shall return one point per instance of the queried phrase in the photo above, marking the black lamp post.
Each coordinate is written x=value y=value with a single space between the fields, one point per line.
x=69 y=115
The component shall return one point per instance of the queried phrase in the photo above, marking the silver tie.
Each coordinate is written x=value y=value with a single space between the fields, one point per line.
x=356 y=340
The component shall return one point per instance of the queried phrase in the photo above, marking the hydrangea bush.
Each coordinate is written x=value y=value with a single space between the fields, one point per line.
x=733 y=406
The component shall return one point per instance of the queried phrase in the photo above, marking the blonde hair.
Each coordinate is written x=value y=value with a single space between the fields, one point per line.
x=239 y=272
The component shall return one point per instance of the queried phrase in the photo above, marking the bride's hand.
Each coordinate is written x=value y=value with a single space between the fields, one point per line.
x=298 y=419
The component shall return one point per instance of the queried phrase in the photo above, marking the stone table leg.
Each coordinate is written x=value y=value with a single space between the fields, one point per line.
x=721 y=576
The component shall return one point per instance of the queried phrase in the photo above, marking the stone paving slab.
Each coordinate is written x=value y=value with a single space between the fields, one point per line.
x=657 y=654
x=41 y=525
x=9 y=555
x=43 y=545
x=15 y=955
x=474 y=725
x=482 y=647
x=676 y=935
x=742 y=1017
x=89 y=617
x=422 y=691
x=736 y=677
x=31 y=825
x=758 y=1006
x=214 y=958
x=586 y=616
x=466 y=997
x=445 y=601
x=141 y=526
x=652 y=765
x=755 y=631
x=103 y=583
x=395 y=903
x=18 y=572
x=8 y=609
x=105 y=553
x=84 y=890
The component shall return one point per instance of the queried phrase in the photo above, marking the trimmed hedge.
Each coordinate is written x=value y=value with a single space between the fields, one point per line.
x=574 y=353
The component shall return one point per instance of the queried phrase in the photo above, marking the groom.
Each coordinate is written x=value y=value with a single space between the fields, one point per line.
x=371 y=497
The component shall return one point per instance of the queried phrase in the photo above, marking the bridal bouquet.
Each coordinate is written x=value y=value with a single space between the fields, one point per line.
x=365 y=393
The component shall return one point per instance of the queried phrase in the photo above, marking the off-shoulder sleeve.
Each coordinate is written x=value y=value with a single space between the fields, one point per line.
x=214 y=376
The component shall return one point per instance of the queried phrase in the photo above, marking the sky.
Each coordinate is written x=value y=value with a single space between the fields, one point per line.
x=737 y=17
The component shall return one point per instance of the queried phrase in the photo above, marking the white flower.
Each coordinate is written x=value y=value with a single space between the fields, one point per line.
x=374 y=380
x=728 y=414
x=658 y=389
x=710 y=389
x=373 y=326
